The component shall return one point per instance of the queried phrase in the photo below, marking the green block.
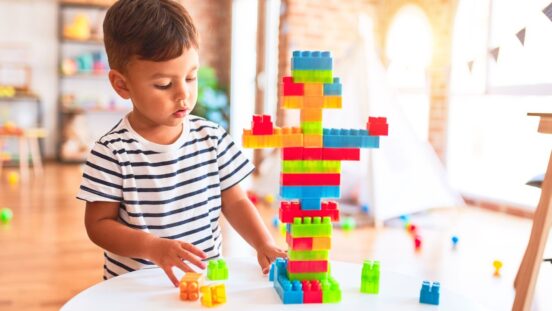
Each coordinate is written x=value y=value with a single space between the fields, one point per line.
x=311 y=227
x=312 y=128
x=217 y=270
x=306 y=166
x=316 y=76
x=331 y=293
x=369 y=282
x=308 y=276
x=308 y=255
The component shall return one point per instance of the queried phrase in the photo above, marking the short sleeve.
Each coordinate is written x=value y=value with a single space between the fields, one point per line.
x=102 y=179
x=232 y=163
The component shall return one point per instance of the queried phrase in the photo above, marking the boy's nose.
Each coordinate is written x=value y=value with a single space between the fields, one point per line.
x=183 y=90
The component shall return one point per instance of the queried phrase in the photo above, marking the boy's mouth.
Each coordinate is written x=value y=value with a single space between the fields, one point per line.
x=180 y=113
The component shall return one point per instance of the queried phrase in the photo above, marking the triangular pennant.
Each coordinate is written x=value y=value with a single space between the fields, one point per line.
x=521 y=36
x=470 y=65
x=494 y=53
x=548 y=11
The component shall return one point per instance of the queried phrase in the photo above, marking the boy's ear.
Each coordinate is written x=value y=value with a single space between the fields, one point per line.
x=118 y=82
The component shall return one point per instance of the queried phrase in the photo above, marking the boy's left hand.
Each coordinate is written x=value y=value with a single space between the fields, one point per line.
x=267 y=253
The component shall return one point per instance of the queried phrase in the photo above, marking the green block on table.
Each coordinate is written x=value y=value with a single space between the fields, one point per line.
x=369 y=282
x=217 y=270
x=310 y=227
x=331 y=293
x=306 y=166
x=308 y=255
x=316 y=76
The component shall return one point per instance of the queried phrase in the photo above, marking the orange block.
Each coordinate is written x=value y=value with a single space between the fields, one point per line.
x=332 y=101
x=313 y=89
x=313 y=101
x=311 y=115
x=189 y=286
x=321 y=243
x=312 y=140
x=292 y=137
x=292 y=102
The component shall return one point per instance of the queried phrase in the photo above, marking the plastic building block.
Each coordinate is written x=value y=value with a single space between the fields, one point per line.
x=189 y=286
x=292 y=153
x=369 y=281
x=333 y=88
x=217 y=270
x=310 y=227
x=344 y=138
x=454 y=240
x=497 y=264
x=313 y=102
x=271 y=272
x=264 y=141
x=309 y=243
x=291 y=192
x=292 y=137
x=324 y=179
x=348 y=224
x=213 y=295
x=292 y=102
x=314 y=76
x=289 y=291
x=290 y=210
x=311 y=166
x=331 y=293
x=312 y=127
x=261 y=125
x=333 y=102
x=429 y=294
x=311 y=60
x=307 y=255
x=307 y=266
x=312 y=291
x=308 y=276
x=311 y=114
x=311 y=204
x=314 y=89
x=377 y=126
x=313 y=140
x=341 y=154
x=292 y=89
x=417 y=243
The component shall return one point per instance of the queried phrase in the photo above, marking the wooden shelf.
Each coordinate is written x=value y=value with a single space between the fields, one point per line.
x=86 y=76
x=86 y=4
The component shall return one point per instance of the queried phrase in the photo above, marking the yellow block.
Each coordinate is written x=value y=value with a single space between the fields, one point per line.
x=312 y=140
x=313 y=89
x=213 y=295
x=311 y=115
x=292 y=102
x=292 y=137
x=321 y=243
x=333 y=101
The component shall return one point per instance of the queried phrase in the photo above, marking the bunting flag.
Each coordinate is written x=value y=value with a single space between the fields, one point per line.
x=494 y=53
x=521 y=36
x=548 y=11
x=470 y=65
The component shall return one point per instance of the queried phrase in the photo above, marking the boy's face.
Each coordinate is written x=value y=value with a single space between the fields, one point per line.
x=162 y=93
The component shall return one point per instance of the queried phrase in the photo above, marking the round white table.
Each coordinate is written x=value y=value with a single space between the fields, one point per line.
x=248 y=289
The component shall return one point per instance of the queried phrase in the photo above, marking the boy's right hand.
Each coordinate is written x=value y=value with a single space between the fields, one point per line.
x=168 y=253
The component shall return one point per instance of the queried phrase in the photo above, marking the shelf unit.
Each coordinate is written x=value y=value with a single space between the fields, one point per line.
x=87 y=106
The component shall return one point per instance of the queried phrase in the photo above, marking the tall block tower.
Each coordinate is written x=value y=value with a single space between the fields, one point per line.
x=311 y=175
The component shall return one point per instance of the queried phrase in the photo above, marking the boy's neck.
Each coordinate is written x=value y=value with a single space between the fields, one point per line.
x=155 y=133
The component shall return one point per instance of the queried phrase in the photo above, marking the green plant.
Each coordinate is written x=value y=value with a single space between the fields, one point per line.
x=212 y=100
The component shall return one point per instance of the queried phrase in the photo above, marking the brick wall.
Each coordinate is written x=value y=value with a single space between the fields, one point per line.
x=331 y=25
x=213 y=19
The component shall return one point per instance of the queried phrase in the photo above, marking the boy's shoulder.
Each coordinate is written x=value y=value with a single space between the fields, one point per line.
x=117 y=133
x=201 y=125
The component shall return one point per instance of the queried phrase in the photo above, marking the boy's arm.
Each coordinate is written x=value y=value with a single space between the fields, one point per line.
x=105 y=231
x=244 y=217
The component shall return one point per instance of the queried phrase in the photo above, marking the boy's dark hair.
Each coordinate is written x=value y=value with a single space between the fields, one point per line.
x=155 y=30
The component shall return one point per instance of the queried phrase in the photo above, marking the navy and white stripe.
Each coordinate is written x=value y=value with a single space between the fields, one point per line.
x=171 y=191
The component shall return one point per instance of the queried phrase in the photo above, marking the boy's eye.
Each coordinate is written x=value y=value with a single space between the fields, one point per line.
x=163 y=86
x=191 y=79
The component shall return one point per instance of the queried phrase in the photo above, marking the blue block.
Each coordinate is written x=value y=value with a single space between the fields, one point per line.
x=345 y=138
x=313 y=204
x=311 y=60
x=289 y=292
x=333 y=88
x=271 y=272
x=311 y=192
x=429 y=294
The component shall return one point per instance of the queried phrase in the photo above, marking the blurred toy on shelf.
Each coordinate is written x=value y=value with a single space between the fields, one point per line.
x=87 y=63
x=78 y=29
x=7 y=91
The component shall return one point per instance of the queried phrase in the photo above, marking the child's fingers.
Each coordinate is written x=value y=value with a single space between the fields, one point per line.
x=194 y=250
x=193 y=259
x=183 y=266
x=264 y=262
x=170 y=274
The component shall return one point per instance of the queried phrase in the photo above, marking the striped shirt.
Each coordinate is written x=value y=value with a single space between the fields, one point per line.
x=171 y=191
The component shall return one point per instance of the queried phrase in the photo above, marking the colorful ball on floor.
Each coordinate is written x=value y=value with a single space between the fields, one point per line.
x=6 y=215
x=13 y=178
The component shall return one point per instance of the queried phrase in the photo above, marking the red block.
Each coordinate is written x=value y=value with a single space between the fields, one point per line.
x=292 y=89
x=292 y=209
x=308 y=244
x=262 y=125
x=340 y=154
x=310 y=179
x=307 y=266
x=313 y=153
x=292 y=153
x=377 y=126
x=312 y=291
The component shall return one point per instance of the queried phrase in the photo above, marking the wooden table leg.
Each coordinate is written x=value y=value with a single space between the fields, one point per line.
x=23 y=158
x=35 y=154
x=529 y=268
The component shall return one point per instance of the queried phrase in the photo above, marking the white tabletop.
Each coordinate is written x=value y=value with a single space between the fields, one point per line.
x=248 y=289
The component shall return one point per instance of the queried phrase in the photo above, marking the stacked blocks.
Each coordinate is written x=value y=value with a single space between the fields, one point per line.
x=311 y=173
x=369 y=283
x=189 y=286
x=429 y=294
x=217 y=270
x=213 y=295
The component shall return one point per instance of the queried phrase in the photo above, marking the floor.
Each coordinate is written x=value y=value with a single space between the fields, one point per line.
x=46 y=257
